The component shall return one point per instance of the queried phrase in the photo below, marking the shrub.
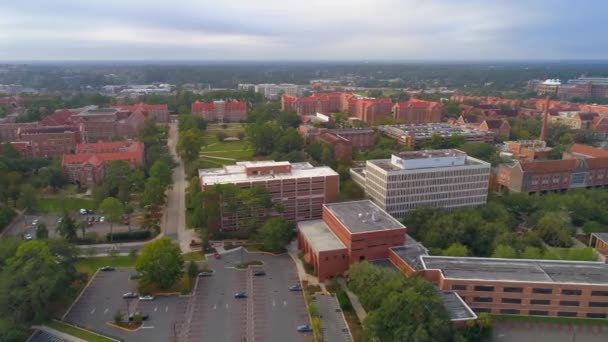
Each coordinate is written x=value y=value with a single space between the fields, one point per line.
x=118 y=317
x=129 y=236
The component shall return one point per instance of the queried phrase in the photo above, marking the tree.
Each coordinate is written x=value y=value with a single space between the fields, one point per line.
x=503 y=251
x=221 y=135
x=160 y=262
x=27 y=198
x=192 y=269
x=113 y=211
x=532 y=253
x=67 y=228
x=118 y=317
x=290 y=141
x=41 y=231
x=552 y=228
x=82 y=225
x=189 y=144
x=11 y=331
x=162 y=172
x=456 y=249
x=275 y=234
x=154 y=193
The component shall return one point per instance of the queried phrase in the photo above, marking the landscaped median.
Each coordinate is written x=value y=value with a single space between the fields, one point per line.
x=78 y=332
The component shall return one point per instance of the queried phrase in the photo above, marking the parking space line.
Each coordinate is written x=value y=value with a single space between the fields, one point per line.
x=105 y=311
x=166 y=308
x=93 y=311
x=156 y=308
x=284 y=303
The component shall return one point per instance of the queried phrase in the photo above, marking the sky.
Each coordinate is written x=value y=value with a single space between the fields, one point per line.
x=202 y=30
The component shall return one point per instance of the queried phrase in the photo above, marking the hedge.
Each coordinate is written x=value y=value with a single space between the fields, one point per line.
x=129 y=236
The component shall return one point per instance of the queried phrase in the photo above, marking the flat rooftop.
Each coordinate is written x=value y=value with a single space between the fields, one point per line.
x=411 y=253
x=577 y=272
x=421 y=131
x=457 y=309
x=363 y=216
x=230 y=174
x=426 y=154
x=320 y=237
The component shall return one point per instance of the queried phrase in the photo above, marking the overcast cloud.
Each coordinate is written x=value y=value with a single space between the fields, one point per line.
x=302 y=30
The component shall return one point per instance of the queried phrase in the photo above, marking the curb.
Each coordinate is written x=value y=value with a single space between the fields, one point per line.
x=123 y=328
x=80 y=294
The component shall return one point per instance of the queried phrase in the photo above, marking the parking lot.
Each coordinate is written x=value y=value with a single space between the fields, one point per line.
x=333 y=325
x=269 y=313
x=27 y=224
x=103 y=297
x=527 y=331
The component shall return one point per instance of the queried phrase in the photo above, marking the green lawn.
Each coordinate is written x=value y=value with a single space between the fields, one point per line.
x=92 y=264
x=194 y=256
x=556 y=320
x=239 y=150
x=80 y=333
x=57 y=205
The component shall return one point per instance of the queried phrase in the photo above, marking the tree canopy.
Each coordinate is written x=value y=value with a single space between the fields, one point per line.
x=275 y=234
x=160 y=262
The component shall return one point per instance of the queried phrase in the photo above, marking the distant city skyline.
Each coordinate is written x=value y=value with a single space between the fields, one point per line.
x=190 y=30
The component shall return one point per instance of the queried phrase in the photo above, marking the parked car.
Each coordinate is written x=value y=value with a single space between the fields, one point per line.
x=130 y=295
x=90 y=211
x=240 y=295
x=59 y=220
x=217 y=255
x=101 y=219
x=296 y=287
x=35 y=222
x=304 y=328
x=107 y=268
x=83 y=211
x=144 y=317
x=28 y=236
x=146 y=298
x=90 y=219
x=259 y=273
x=205 y=274
x=97 y=218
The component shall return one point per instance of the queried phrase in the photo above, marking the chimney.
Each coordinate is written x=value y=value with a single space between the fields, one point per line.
x=544 y=127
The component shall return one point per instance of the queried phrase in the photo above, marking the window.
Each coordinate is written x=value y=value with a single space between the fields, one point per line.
x=511 y=300
x=566 y=314
x=538 y=313
x=484 y=288
x=479 y=310
x=482 y=299
x=510 y=311
x=459 y=287
x=540 y=302
x=598 y=304
x=569 y=303
x=599 y=293
x=571 y=292
x=596 y=315
x=542 y=291
x=513 y=289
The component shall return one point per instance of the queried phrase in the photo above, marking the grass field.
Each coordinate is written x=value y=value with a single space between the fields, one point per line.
x=57 y=205
x=90 y=265
x=214 y=150
x=80 y=333
x=557 y=320
x=194 y=256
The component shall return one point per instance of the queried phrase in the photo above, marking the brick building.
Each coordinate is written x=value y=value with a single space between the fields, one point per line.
x=513 y=286
x=599 y=241
x=418 y=112
x=50 y=141
x=413 y=136
x=349 y=232
x=221 y=111
x=325 y=103
x=527 y=149
x=424 y=179
x=9 y=130
x=157 y=112
x=108 y=123
x=499 y=127
x=487 y=100
x=342 y=147
x=573 y=119
x=299 y=188
x=87 y=167
x=582 y=167
x=360 y=138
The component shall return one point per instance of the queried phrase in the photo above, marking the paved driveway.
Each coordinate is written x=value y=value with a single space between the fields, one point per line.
x=333 y=325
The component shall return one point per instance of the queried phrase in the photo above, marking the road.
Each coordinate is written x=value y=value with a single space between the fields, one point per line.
x=174 y=220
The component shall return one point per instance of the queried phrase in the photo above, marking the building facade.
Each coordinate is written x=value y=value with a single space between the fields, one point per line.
x=298 y=188
x=50 y=141
x=157 y=112
x=424 y=179
x=418 y=112
x=273 y=91
x=221 y=111
x=574 y=119
x=413 y=136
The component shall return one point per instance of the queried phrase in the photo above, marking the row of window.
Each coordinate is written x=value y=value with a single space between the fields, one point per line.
x=541 y=313
x=434 y=181
x=540 y=302
x=567 y=292
x=429 y=195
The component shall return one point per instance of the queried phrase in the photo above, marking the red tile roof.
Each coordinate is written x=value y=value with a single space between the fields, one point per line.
x=106 y=146
x=589 y=150
x=142 y=106
x=59 y=117
x=494 y=123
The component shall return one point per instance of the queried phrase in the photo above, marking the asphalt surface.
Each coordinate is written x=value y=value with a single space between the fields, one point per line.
x=333 y=325
x=103 y=297
x=270 y=312
x=532 y=332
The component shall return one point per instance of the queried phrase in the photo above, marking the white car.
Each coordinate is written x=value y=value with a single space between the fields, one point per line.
x=28 y=236
x=83 y=211
x=146 y=298
x=35 y=222
x=101 y=219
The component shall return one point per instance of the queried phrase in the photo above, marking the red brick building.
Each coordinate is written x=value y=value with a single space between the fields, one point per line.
x=157 y=112
x=418 y=111
x=221 y=111
x=299 y=188
x=360 y=138
x=107 y=123
x=325 y=103
x=349 y=232
x=342 y=147
x=372 y=111
x=86 y=167
x=50 y=141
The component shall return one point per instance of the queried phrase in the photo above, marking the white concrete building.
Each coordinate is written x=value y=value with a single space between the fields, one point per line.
x=274 y=91
x=424 y=179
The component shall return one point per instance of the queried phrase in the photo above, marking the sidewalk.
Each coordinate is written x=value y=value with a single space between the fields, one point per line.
x=292 y=250
x=57 y=333
x=361 y=314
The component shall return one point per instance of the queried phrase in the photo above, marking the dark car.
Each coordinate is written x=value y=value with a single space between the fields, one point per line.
x=259 y=273
x=97 y=218
x=240 y=295
x=296 y=287
x=144 y=317
x=217 y=255
x=304 y=328
x=205 y=274
x=107 y=268
x=90 y=211
x=130 y=295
